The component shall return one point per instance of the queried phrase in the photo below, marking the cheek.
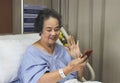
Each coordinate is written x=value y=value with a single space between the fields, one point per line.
x=45 y=35
x=58 y=33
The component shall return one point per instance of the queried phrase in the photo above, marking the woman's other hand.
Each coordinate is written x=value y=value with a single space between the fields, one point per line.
x=77 y=64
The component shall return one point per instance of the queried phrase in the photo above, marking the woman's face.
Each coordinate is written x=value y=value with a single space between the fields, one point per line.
x=51 y=30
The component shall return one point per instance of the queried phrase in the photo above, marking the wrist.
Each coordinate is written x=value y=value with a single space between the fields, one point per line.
x=62 y=73
x=67 y=70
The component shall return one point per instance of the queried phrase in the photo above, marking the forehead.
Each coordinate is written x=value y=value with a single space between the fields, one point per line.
x=51 y=22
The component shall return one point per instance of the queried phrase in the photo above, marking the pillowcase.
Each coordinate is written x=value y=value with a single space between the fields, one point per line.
x=12 y=48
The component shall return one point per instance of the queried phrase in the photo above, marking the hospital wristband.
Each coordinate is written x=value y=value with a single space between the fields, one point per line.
x=61 y=73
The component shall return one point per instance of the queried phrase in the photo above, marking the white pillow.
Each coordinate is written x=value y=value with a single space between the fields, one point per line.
x=10 y=55
x=12 y=48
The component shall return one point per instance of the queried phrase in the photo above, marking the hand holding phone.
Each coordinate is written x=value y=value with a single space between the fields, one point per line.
x=87 y=53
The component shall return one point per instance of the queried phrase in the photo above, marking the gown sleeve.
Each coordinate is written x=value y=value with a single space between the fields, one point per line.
x=32 y=67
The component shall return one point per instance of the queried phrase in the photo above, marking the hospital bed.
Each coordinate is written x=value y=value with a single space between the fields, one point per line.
x=12 y=48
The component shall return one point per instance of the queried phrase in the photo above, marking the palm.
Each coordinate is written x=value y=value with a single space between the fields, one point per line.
x=73 y=48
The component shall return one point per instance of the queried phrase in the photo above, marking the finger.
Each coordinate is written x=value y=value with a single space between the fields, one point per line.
x=84 y=64
x=68 y=41
x=76 y=61
x=78 y=46
x=77 y=51
x=83 y=59
x=77 y=42
x=72 y=40
x=67 y=48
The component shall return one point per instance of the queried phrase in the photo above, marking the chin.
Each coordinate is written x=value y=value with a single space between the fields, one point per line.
x=52 y=42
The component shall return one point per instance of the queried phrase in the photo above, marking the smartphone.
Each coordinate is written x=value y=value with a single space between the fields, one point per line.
x=87 y=53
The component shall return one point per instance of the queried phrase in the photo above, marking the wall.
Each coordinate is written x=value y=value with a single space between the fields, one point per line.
x=39 y=2
x=17 y=16
x=111 y=58
x=85 y=19
x=5 y=16
x=96 y=23
x=18 y=12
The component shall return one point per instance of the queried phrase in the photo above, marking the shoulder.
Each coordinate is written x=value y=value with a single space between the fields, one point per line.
x=32 y=56
x=31 y=52
x=32 y=49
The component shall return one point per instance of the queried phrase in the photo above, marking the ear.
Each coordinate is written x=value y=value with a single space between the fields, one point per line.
x=40 y=33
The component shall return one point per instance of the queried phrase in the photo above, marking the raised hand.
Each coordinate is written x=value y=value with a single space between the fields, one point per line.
x=77 y=64
x=73 y=48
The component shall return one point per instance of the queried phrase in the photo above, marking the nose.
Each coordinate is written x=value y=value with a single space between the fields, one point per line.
x=53 y=32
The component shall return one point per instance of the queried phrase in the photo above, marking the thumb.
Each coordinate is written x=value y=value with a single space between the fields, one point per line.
x=67 y=49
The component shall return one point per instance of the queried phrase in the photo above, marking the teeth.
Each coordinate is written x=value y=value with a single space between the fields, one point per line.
x=52 y=38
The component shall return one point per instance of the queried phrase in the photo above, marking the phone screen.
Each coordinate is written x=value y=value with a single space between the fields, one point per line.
x=87 y=53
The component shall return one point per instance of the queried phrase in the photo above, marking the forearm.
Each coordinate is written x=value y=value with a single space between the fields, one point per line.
x=80 y=75
x=53 y=77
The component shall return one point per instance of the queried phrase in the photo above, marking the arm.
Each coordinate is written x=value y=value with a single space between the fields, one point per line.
x=53 y=77
x=35 y=69
x=74 y=51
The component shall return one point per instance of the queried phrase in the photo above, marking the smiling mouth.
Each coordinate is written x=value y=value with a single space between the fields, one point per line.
x=53 y=38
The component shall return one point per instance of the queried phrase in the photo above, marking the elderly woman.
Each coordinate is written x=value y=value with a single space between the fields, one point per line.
x=45 y=61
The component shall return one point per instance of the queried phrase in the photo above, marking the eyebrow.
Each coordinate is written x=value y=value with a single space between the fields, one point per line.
x=51 y=27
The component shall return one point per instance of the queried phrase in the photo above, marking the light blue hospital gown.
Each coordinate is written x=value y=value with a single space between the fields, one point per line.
x=36 y=62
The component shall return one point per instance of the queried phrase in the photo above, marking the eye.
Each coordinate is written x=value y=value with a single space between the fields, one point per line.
x=49 y=30
x=57 y=29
